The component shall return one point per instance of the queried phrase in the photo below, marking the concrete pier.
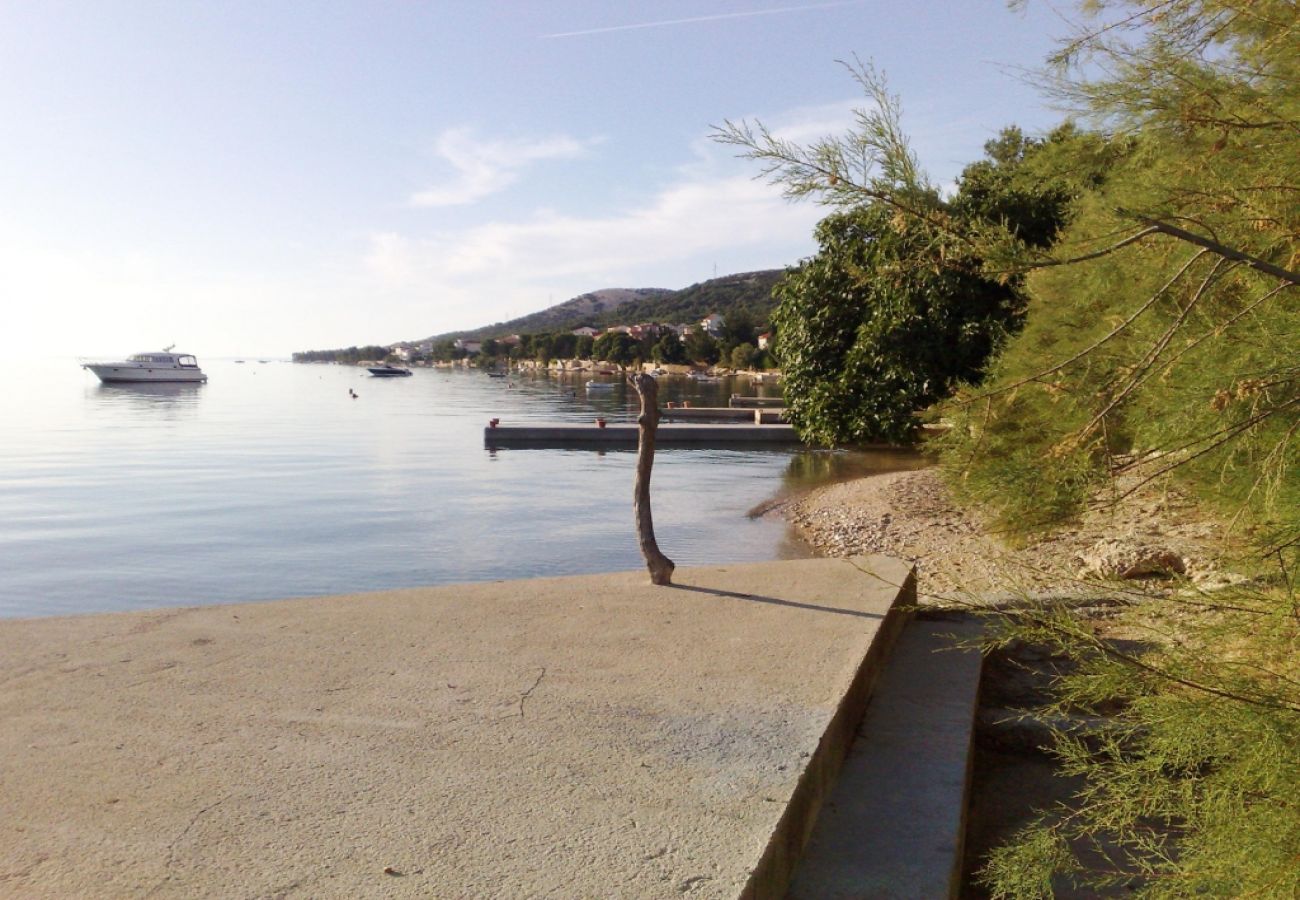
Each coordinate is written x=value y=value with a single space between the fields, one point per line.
x=592 y=736
x=740 y=402
x=624 y=435
x=724 y=413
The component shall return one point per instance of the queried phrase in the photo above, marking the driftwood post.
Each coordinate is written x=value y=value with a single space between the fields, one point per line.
x=660 y=566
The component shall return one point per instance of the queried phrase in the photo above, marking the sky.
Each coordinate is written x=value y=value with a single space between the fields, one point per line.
x=253 y=178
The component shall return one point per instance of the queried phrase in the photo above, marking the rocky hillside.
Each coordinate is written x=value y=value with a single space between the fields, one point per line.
x=581 y=310
x=751 y=291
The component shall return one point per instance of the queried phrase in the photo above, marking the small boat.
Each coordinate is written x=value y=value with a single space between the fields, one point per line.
x=496 y=374
x=600 y=385
x=389 y=371
x=148 y=367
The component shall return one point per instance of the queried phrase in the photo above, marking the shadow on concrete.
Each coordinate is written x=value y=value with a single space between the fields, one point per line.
x=758 y=598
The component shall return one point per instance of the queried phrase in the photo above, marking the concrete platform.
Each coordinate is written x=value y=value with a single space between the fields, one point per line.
x=725 y=413
x=895 y=822
x=615 y=435
x=741 y=402
x=572 y=737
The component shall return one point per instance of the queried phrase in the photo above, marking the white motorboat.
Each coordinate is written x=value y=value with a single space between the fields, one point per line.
x=160 y=366
x=600 y=385
x=389 y=371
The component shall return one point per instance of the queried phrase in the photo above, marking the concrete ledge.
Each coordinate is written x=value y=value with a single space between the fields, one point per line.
x=739 y=402
x=669 y=434
x=577 y=737
x=894 y=826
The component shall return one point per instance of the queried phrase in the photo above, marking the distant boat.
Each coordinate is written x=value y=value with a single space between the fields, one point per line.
x=151 y=367
x=389 y=371
x=600 y=385
x=496 y=374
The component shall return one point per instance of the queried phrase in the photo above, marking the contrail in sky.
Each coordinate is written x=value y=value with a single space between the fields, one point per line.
x=714 y=18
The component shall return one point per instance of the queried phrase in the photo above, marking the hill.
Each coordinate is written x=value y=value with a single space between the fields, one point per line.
x=750 y=291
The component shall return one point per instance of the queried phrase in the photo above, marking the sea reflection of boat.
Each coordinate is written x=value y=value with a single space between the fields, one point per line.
x=163 y=366
x=154 y=398
x=389 y=371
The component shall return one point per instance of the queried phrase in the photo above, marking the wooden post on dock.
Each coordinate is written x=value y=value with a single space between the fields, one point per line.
x=660 y=566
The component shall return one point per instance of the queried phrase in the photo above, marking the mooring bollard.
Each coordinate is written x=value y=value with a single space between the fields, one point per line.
x=600 y=423
x=493 y=423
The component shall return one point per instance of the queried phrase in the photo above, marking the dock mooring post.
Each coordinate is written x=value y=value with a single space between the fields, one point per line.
x=660 y=566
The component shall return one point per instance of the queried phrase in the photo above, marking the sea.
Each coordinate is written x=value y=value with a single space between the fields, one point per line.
x=272 y=480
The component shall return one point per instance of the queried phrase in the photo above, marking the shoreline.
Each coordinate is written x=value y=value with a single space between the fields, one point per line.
x=911 y=516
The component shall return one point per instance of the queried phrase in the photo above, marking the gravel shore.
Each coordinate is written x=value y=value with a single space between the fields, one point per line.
x=911 y=515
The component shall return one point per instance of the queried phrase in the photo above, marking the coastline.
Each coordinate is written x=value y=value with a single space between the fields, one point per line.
x=912 y=516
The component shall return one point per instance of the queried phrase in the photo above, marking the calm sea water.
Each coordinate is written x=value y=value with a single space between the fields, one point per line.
x=271 y=481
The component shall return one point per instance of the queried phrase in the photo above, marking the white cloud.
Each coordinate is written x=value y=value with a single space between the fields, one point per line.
x=499 y=270
x=485 y=167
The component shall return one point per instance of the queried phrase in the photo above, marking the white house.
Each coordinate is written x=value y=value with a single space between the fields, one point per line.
x=586 y=331
x=470 y=347
x=712 y=323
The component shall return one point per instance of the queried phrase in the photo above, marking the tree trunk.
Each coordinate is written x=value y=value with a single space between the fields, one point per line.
x=660 y=566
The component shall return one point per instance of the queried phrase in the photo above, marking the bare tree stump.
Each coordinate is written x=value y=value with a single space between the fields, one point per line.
x=660 y=566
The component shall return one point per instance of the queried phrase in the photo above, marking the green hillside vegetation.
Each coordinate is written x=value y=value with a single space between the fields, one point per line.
x=745 y=298
x=1158 y=349
x=749 y=291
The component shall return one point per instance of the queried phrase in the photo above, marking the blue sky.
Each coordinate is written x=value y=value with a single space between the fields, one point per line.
x=257 y=178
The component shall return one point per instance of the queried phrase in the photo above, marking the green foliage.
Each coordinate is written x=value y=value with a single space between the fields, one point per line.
x=1147 y=358
x=880 y=324
x=616 y=347
x=748 y=295
x=348 y=356
x=742 y=356
x=668 y=349
x=700 y=347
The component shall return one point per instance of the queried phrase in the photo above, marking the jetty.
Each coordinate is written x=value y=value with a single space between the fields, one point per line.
x=624 y=435
x=677 y=412
x=740 y=401
x=583 y=736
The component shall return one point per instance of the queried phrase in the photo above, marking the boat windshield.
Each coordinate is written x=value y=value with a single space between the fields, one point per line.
x=188 y=361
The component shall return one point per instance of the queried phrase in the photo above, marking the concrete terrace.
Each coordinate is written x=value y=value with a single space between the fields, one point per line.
x=589 y=736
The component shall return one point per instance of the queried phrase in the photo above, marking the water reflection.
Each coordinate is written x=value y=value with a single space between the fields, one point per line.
x=810 y=468
x=169 y=398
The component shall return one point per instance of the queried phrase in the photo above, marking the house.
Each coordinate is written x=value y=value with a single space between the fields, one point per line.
x=510 y=340
x=586 y=331
x=764 y=339
x=470 y=347
x=712 y=323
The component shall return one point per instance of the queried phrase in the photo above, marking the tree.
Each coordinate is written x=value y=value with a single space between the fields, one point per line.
x=900 y=305
x=701 y=347
x=660 y=567
x=1159 y=345
x=742 y=356
x=615 y=347
x=738 y=328
x=877 y=326
x=668 y=349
